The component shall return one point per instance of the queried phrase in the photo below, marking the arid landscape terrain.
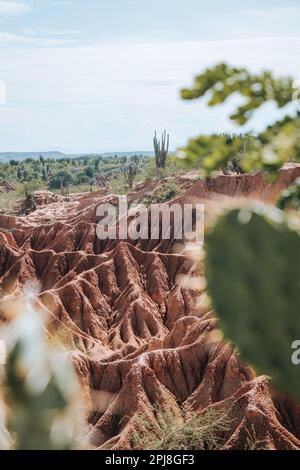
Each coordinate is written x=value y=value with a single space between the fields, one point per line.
x=140 y=336
x=149 y=231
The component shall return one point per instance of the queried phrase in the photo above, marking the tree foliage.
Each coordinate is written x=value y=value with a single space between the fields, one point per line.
x=269 y=150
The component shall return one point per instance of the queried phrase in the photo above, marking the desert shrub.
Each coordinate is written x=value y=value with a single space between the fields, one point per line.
x=165 y=192
x=253 y=442
x=30 y=187
x=190 y=431
x=130 y=172
x=150 y=168
x=116 y=184
x=82 y=178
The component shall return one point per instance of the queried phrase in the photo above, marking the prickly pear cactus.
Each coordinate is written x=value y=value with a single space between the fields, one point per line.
x=253 y=275
x=290 y=197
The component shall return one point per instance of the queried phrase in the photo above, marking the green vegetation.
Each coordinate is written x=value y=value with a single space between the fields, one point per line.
x=189 y=431
x=252 y=255
x=130 y=172
x=79 y=174
x=278 y=144
x=161 y=149
x=253 y=275
x=290 y=198
x=223 y=81
x=54 y=172
x=67 y=175
x=40 y=390
x=163 y=193
x=224 y=152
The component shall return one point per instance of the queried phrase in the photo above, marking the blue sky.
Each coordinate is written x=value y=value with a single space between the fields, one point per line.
x=101 y=75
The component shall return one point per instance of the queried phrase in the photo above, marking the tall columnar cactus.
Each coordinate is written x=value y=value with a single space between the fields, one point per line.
x=41 y=389
x=253 y=275
x=161 y=149
x=65 y=190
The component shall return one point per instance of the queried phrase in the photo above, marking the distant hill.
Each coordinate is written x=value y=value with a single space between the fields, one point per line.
x=127 y=154
x=20 y=156
x=7 y=156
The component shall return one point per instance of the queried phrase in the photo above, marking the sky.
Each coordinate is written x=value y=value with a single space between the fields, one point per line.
x=101 y=75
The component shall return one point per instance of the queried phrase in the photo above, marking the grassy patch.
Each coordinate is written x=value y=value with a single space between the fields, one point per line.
x=163 y=193
x=187 y=432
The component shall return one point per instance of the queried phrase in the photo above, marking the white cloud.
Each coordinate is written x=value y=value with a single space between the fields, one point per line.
x=257 y=22
x=8 y=38
x=51 y=32
x=111 y=97
x=13 y=8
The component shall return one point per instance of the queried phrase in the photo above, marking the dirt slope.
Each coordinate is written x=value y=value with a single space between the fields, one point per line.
x=138 y=337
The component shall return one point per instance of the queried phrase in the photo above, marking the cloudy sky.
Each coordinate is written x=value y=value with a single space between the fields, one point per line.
x=101 y=75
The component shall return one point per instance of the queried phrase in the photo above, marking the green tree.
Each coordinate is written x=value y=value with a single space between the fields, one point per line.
x=89 y=171
x=61 y=177
x=19 y=174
